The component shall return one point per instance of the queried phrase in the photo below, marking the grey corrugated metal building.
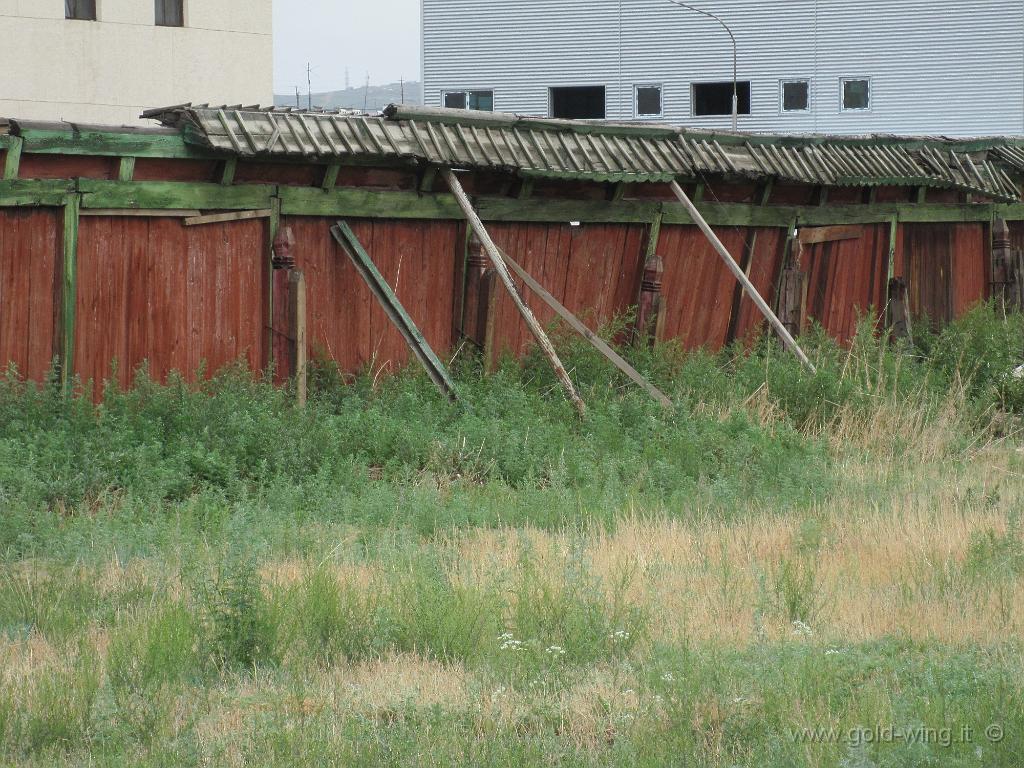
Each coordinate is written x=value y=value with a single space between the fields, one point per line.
x=953 y=67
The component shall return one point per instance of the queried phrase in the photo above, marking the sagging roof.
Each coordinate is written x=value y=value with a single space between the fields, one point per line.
x=602 y=151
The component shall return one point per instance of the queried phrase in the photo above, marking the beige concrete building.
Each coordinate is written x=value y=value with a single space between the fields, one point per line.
x=104 y=61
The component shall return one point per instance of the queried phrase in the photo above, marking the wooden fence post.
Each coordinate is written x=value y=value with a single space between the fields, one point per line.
x=650 y=317
x=1007 y=268
x=298 y=346
x=899 y=309
x=68 y=292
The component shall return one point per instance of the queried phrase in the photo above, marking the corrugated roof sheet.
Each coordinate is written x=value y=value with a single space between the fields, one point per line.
x=601 y=151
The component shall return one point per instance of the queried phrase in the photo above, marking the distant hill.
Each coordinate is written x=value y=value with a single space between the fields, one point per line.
x=374 y=98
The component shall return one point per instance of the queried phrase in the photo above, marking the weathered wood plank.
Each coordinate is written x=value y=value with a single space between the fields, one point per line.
x=139 y=213
x=31 y=192
x=12 y=159
x=110 y=143
x=69 y=294
x=126 y=169
x=173 y=194
x=600 y=344
x=218 y=218
x=830 y=234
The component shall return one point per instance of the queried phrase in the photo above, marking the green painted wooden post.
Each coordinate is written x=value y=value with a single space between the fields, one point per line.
x=894 y=226
x=331 y=176
x=227 y=177
x=275 y=227
x=653 y=236
x=126 y=169
x=69 y=292
x=12 y=161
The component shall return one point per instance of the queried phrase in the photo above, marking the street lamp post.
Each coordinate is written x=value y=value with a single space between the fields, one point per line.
x=735 y=68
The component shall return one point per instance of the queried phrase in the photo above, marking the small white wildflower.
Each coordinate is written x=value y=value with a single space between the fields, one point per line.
x=800 y=629
x=834 y=652
x=619 y=636
x=555 y=650
x=509 y=643
x=668 y=677
x=738 y=700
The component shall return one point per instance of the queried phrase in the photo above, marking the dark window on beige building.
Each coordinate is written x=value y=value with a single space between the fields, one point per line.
x=80 y=9
x=170 y=13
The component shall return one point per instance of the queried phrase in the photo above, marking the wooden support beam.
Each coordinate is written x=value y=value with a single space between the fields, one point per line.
x=126 y=169
x=698 y=193
x=331 y=176
x=140 y=213
x=427 y=178
x=822 y=196
x=366 y=203
x=220 y=218
x=32 y=192
x=68 y=292
x=174 y=194
x=899 y=309
x=922 y=195
x=227 y=175
x=297 y=327
x=654 y=235
x=730 y=262
x=817 y=235
x=525 y=189
x=490 y=285
x=12 y=159
x=393 y=308
x=273 y=229
x=499 y=265
x=617 y=191
x=894 y=230
x=599 y=344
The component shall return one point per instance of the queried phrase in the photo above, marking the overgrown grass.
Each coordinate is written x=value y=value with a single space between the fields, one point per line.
x=209 y=576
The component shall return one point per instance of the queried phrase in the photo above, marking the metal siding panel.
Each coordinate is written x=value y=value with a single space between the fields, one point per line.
x=927 y=60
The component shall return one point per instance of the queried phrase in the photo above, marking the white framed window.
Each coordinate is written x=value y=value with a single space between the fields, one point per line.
x=478 y=101
x=855 y=94
x=794 y=96
x=648 y=100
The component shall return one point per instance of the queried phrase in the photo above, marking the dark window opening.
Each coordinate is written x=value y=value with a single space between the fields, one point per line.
x=648 y=101
x=456 y=100
x=578 y=103
x=856 y=94
x=170 y=13
x=478 y=101
x=80 y=9
x=796 y=96
x=481 y=101
x=716 y=98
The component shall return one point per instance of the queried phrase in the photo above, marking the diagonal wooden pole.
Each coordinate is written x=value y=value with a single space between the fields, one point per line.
x=502 y=271
x=748 y=286
x=599 y=344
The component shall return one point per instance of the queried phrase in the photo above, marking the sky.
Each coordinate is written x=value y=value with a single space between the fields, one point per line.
x=381 y=37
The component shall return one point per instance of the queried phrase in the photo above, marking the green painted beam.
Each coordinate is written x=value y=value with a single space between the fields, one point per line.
x=12 y=158
x=312 y=201
x=174 y=194
x=69 y=291
x=126 y=169
x=29 y=192
x=110 y=143
x=366 y=203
